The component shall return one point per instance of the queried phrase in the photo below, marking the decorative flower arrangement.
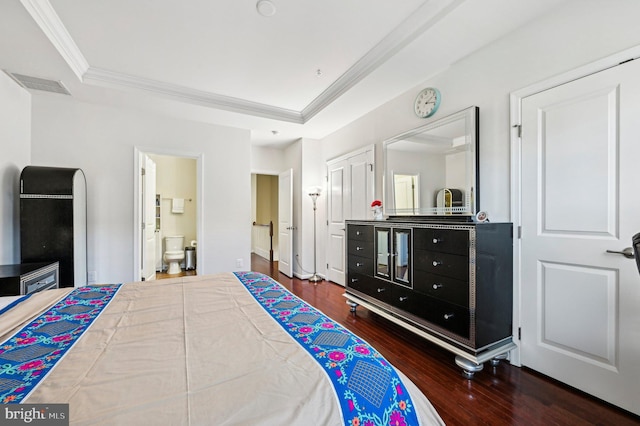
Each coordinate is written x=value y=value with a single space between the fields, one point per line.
x=376 y=206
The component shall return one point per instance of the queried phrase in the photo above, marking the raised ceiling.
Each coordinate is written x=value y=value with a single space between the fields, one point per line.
x=311 y=68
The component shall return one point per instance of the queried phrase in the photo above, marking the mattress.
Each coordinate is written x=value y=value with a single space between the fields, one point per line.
x=218 y=349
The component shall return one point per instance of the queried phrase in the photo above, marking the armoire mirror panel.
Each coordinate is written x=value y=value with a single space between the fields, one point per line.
x=433 y=170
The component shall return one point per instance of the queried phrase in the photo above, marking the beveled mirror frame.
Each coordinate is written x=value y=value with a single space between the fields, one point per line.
x=439 y=144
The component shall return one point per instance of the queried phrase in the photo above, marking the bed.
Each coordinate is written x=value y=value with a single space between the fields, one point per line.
x=230 y=348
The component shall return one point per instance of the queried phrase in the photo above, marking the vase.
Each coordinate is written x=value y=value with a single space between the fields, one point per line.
x=377 y=213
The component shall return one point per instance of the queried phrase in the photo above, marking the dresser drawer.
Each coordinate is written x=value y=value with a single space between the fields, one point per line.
x=449 y=265
x=451 y=317
x=360 y=232
x=407 y=300
x=442 y=240
x=360 y=265
x=441 y=287
x=375 y=288
x=360 y=248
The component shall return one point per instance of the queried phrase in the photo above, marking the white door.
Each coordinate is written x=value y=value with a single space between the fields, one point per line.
x=285 y=222
x=350 y=193
x=580 y=305
x=149 y=223
x=337 y=207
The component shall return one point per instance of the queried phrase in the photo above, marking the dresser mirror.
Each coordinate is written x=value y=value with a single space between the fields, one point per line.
x=433 y=170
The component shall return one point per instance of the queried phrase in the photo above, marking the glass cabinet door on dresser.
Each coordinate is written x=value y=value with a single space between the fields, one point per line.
x=393 y=254
x=383 y=254
x=402 y=256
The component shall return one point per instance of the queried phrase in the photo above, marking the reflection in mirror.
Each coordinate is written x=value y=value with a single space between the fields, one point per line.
x=401 y=245
x=433 y=169
x=406 y=192
x=382 y=252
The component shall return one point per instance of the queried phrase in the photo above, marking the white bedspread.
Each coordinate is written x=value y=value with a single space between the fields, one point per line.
x=188 y=351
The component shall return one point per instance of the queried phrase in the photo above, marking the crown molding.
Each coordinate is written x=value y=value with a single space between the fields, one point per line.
x=117 y=80
x=47 y=19
x=427 y=15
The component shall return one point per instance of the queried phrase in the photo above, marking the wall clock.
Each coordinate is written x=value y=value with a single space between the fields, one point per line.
x=427 y=102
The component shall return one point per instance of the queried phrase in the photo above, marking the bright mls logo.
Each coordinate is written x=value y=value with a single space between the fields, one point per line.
x=35 y=414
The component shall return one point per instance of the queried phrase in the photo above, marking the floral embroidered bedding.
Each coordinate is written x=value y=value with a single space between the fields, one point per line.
x=203 y=350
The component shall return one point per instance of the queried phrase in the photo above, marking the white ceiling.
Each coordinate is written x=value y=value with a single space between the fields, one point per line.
x=306 y=71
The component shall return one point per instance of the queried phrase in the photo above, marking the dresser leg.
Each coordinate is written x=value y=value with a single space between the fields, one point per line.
x=353 y=306
x=496 y=360
x=469 y=368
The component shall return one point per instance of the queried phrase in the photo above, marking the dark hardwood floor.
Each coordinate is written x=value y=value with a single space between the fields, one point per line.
x=502 y=395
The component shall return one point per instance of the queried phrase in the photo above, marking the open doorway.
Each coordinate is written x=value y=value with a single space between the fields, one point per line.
x=265 y=230
x=168 y=212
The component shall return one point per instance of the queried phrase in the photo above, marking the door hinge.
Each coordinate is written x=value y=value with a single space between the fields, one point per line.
x=519 y=333
x=519 y=127
x=519 y=232
x=143 y=172
x=371 y=166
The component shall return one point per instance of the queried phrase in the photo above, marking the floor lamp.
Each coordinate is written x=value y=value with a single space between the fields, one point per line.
x=314 y=193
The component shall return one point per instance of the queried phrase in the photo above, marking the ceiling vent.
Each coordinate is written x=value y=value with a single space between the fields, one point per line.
x=36 y=83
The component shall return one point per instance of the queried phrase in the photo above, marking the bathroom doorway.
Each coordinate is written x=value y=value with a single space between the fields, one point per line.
x=168 y=213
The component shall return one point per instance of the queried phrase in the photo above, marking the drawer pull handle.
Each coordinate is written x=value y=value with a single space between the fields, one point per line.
x=437 y=286
x=402 y=299
x=436 y=263
x=359 y=248
x=448 y=316
x=436 y=240
x=380 y=290
x=357 y=232
x=358 y=264
x=354 y=280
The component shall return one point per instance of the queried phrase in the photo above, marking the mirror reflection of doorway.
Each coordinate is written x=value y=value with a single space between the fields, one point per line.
x=406 y=193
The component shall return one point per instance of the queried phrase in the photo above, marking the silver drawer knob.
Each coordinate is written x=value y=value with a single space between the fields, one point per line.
x=436 y=240
x=448 y=316
x=359 y=248
x=436 y=263
x=354 y=280
x=402 y=299
x=380 y=290
x=437 y=286
x=359 y=264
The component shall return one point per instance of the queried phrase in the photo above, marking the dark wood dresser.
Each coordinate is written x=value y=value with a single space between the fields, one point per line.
x=451 y=283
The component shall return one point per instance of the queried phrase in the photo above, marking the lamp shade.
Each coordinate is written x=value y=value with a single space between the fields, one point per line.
x=314 y=191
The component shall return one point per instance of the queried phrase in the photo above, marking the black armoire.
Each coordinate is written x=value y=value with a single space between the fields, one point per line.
x=53 y=220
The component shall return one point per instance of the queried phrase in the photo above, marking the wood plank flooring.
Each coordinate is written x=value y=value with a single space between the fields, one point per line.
x=502 y=395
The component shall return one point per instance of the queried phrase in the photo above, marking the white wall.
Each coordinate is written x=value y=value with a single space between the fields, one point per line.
x=101 y=140
x=576 y=34
x=15 y=152
x=268 y=161
x=314 y=175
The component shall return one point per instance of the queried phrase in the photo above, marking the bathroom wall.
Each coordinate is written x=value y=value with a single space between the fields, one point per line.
x=176 y=177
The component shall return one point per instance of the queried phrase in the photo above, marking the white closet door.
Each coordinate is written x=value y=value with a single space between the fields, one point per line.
x=581 y=197
x=285 y=223
x=350 y=193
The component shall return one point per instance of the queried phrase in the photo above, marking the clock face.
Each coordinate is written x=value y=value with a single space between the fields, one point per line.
x=427 y=102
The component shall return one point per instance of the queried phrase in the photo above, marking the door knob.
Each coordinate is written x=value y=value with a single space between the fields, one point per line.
x=627 y=252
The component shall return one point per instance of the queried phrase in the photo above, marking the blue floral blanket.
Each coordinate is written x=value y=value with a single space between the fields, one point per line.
x=368 y=387
x=28 y=356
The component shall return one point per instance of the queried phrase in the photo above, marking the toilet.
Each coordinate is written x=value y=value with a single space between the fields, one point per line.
x=174 y=253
